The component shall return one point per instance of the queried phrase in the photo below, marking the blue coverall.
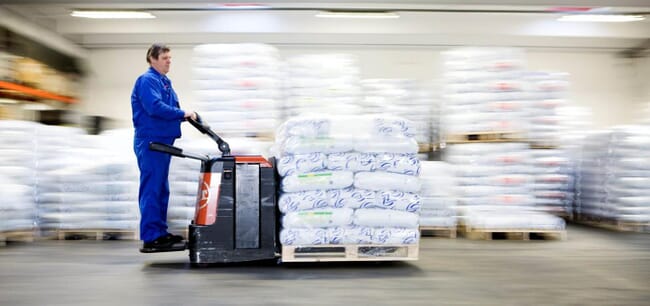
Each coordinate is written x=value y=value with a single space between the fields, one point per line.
x=156 y=117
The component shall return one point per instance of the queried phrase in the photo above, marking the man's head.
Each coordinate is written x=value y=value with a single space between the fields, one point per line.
x=159 y=57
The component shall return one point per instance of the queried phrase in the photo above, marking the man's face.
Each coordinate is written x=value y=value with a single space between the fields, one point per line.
x=162 y=63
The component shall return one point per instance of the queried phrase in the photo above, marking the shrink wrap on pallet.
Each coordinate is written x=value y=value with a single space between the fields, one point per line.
x=613 y=178
x=349 y=235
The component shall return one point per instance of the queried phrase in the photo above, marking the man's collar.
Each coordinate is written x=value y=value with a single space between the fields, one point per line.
x=156 y=72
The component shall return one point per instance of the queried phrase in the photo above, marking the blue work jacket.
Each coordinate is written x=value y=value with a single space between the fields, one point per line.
x=156 y=112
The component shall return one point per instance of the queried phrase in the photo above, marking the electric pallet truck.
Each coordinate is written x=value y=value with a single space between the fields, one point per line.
x=235 y=218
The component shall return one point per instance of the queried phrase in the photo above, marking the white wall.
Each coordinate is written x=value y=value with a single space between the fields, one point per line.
x=643 y=73
x=112 y=73
x=607 y=83
x=615 y=88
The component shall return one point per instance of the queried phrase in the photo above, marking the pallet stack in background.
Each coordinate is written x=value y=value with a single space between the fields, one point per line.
x=63 y=182
x=554 y=165
x=438 y=199
x=238 y=88
x=352 y=181
x=17 y=180
x=405 y=98
x=485 y=116
x=88 y=184
x=483 y=92
x=63 y=186
x=614 y=178
x=322 y=84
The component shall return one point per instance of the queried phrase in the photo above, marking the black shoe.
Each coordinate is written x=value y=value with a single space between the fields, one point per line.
x=166 y=243
x=177 y=238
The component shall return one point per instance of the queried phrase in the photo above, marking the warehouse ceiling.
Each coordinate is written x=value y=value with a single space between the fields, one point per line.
x=420 y=23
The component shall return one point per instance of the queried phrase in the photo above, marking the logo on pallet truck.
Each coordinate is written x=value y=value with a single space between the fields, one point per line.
x=208 y=197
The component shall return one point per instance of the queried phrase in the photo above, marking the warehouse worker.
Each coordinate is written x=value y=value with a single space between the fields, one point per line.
x=157 y=117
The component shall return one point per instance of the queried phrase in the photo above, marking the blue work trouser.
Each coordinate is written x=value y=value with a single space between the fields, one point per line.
x=153 y=196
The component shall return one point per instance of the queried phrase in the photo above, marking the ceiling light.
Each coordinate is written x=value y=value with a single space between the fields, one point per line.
x=112 y=14
x=332 y=14
x=601 y=18
x=243 y=6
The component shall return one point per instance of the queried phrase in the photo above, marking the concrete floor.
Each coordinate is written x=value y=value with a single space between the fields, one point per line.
x=593 y=267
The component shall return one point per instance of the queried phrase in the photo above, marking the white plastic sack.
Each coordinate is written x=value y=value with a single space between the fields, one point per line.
x=304 y=145
x=386 y=181
x=385 y=218
x=304 y=200
x=301 y=163
x=388 y=144
x=318 y=218
x=397 y=200
x=317 y=180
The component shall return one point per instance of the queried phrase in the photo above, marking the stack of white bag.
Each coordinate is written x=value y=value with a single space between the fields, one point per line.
x=86 y=181
x=17 y=175
x=554 y=180
x=323 y=84
x=438 y=200
x=615 y=175
x=237 y=87
x=348 y=180
x=64 y=188
x=495 y=185
x=547 y=92
x=493 y=176
x=401 y=97
x=576 y=123
x=562 y=127
x=556 y=169
x=483 y=91
x=119 y=183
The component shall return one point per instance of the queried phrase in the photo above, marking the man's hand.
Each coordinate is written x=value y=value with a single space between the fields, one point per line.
x=190 y=115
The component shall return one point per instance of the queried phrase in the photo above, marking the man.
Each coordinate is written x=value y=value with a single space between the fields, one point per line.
x=157 y=117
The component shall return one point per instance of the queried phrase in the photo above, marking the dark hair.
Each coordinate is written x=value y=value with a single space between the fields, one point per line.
x=155 y=50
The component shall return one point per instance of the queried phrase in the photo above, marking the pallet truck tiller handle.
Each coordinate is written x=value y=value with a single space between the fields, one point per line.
x=205 y=129
x=175 y=151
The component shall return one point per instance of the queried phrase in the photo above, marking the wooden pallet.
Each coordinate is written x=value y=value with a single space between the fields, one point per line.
x=543 y=146
x=562 y=214
x=614 y=225
x=492 y=136
x=514 y=234
x=331 y=252
x=16 y=236
x=432 y=231
x=96 y=234
x=424 y=148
